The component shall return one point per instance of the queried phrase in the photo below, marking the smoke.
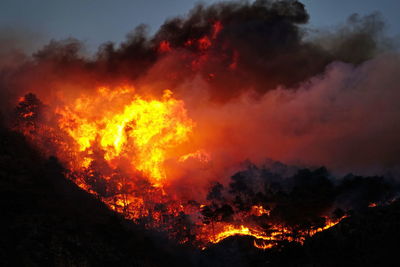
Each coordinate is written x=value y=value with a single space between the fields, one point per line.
x=149 y=125
x=257 y=82
x=15 y=44
x=346 y=118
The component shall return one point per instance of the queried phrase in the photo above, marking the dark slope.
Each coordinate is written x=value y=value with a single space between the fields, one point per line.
x=46 y=220
x=370 y=238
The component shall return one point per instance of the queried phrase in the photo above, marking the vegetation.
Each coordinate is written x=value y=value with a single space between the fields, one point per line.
x=48 y=221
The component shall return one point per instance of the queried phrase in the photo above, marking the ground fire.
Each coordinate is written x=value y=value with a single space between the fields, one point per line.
x=118 y=145
x=184 y=131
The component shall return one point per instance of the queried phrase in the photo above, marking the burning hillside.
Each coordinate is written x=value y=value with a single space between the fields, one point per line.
x=131 y=152
x=175 y=130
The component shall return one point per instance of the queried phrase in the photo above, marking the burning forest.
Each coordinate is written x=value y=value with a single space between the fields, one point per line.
x=219 y=124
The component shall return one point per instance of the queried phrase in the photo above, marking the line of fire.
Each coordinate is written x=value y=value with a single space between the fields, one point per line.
x=233 y=122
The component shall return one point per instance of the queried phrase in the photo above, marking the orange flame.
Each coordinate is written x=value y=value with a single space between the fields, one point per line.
x=142 y=132
x=263 y=240
x=232 y=230
x=122 y=129
x=199 y=155
x=263 y=245
x=259 y=211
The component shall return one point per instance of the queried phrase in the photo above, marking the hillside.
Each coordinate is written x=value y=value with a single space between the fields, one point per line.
x=48 y=221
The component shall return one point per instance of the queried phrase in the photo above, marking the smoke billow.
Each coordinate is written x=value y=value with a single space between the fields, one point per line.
x=218 y=97
x=346 y=118
x=257 y=82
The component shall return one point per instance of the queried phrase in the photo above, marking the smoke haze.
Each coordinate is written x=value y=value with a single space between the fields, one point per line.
x=257 y=82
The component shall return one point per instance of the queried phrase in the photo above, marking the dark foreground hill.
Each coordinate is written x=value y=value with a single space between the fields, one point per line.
x=46 y=220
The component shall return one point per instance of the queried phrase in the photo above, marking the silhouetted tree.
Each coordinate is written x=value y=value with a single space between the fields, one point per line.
x=27 y=113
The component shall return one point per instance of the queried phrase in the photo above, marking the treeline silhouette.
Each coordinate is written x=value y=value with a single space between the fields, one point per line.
x=301 y=199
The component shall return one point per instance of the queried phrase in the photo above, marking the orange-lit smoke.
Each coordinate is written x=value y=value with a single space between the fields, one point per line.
x=159 y=119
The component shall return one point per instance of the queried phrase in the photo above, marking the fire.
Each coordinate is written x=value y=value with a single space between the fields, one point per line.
x=144 y=132
x=231 y=230
x=152 y=157
x=204 y=43
x=263 y=245
x=164 y=47
x=200 y=155
x=217 y=28
x=29 y=114
x=259 y=211
x=117 y=145
x=264 y=240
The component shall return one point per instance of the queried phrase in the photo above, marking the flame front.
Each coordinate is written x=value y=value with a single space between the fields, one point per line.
x=262 y=240
x=117 y=145
x=144 y=132
x=176 y=162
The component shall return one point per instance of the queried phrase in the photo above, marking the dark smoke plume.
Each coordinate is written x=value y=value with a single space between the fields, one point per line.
x=234 y=46
x=258 y=83
x=333 y=94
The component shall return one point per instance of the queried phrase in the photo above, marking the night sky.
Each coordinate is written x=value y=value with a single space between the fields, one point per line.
x=98 y=21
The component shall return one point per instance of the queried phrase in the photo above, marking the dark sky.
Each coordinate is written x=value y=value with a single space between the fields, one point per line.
x=97 y=21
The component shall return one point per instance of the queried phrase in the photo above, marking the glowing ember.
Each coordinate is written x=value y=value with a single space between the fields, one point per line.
x=259 y=210
x=263 y=245
x=217 y=28
x=164 y=47
x=204 y=43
